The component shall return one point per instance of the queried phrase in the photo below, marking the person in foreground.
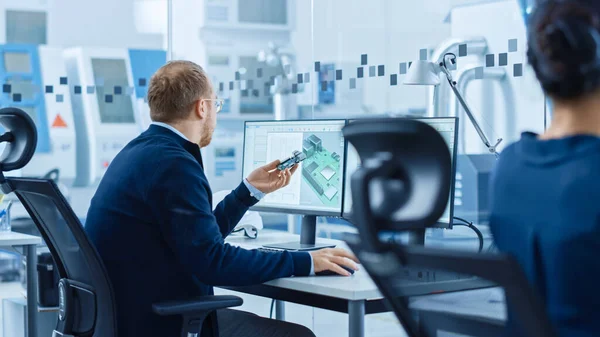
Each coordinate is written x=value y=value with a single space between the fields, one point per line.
x=152 y=223
x=545 y=200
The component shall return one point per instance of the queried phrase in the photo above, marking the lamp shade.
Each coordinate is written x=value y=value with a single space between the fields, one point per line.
x=422 y=73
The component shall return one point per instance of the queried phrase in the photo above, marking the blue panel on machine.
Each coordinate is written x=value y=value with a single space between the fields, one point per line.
x=20 y=68
x=144 y=63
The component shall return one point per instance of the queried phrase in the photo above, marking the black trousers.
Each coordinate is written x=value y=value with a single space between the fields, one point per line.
x=235 y=323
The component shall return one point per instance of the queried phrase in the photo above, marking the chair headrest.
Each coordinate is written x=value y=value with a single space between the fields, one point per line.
x=20 y=137
x=405 y=175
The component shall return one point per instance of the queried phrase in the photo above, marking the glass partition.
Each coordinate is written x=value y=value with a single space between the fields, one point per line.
x=81 y=70
x=364 y=52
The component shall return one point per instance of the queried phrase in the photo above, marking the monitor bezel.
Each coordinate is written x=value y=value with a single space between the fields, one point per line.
x=285 y=210
x=440 y=223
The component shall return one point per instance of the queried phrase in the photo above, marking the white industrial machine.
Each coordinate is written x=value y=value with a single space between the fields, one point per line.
x=110 y=113
x=32 y=77
x=105 y=119
x=223 y=158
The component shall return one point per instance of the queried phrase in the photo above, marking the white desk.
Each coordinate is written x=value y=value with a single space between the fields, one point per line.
x=356 y=295
x=28 y=244
x=472 y=313
x=485 y=303
x=354 y=288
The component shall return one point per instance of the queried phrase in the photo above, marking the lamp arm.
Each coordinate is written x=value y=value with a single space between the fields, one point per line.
x=463 y=103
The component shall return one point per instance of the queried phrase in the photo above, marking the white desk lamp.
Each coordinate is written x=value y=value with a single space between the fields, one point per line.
x=428 y=73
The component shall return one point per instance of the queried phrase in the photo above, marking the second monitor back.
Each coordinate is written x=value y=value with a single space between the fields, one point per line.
x=448 y=127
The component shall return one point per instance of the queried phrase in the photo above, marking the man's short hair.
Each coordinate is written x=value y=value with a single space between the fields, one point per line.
x=175 y=88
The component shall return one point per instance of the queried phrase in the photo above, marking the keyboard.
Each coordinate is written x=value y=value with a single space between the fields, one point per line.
x=270 y=250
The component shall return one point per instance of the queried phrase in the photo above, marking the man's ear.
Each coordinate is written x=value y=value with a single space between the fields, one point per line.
x=199 y=110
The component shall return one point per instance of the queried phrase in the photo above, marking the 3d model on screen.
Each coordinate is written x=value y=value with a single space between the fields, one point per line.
x=321 y=170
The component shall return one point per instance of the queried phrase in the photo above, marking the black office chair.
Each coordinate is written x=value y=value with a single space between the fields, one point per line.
x=404 y=184
x=86 y=299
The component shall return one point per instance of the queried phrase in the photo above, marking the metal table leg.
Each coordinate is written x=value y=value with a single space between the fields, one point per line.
x=356 y=318
x=280 y=310
x=32 y=295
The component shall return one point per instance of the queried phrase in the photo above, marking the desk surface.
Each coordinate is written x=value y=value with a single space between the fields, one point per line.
x=11 y=239
x=356 y=287
x=484 y=302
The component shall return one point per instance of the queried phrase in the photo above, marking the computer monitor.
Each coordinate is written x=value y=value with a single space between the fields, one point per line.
x=448 y=128
x=316 y=189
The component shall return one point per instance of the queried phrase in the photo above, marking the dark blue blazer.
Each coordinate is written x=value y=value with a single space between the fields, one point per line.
x=152 y=223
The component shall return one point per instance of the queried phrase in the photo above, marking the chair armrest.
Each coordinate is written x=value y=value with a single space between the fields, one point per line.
x=196 y=305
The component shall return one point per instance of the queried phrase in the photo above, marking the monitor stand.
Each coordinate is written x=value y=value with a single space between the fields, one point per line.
x=416 y=237
x=308 y=236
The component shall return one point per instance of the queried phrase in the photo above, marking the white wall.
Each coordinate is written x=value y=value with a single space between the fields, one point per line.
x=25 y=5
x=106 y=23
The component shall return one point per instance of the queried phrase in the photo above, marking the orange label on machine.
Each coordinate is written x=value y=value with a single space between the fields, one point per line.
x=59 y=122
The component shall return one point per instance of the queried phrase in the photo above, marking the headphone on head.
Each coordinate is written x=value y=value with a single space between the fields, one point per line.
x=565 y=52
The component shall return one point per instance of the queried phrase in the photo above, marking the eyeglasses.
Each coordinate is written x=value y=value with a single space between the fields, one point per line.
x=218 y=103
x=249 y=233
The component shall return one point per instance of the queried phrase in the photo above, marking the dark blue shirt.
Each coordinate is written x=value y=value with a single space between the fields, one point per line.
x=152 y=222
x=545 y=211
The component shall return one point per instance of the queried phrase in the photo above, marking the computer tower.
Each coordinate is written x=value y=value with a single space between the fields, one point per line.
x=473 y=172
